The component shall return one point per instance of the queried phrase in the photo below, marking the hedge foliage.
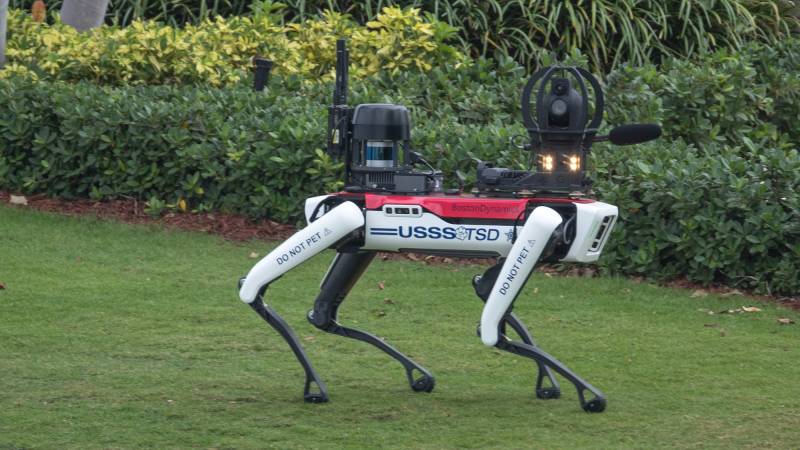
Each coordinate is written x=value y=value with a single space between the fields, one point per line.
x=721 y=214
x=173 y=12
x=747 y=98
x=216 y=149
x=716 y=199
x=608 y=31
x=219 y=51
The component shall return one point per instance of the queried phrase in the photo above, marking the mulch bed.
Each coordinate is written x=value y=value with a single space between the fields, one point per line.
x=229 y=226
x=240 y=228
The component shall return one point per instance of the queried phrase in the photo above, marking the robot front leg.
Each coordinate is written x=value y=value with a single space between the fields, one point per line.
x=483 y=286
x=345 y=270
x=319 y=235
x=515 y=271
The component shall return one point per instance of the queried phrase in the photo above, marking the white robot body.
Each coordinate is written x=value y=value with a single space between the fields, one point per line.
x=412 y=227
x=393 y=200
x=520 y=232
x=427 y=232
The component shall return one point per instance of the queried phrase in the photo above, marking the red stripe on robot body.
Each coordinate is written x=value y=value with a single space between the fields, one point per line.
x=465 y=207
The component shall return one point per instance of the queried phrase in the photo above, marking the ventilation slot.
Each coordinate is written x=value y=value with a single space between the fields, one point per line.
x=381 y=177
x=602 y=230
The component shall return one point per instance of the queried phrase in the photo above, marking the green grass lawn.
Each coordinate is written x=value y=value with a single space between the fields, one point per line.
x=116 y=336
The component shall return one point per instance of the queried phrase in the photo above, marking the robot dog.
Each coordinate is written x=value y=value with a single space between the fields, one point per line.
x=518 y=217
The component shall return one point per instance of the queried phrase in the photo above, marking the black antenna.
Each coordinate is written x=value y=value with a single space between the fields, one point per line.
x=339 y=114
x=342 y=73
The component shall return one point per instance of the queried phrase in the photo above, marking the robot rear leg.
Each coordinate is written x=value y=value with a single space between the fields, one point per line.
x=345 y=270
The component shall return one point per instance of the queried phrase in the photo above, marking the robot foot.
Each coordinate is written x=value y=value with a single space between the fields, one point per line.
x=419 y=378
x=594 y=405
x=314 y=390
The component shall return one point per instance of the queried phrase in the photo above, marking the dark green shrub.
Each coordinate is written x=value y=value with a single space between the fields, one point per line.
x=206 y=146
x=748 y=97
x=722 y=214
x=230 y=149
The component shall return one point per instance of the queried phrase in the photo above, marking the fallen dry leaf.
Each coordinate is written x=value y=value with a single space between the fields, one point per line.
x=380 y=313
x=711 y=325
x=536 y=290
x=309 y=338
x=18 y=200
x=2 y=285
x=381 y=285
x=253 y=255
x=412 y=257
x=785 y=321
x=732 y=293
x=699 y=293
x=743 y=309
x=388 y=301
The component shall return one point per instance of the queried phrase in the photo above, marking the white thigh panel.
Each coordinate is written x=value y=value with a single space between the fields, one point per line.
x=520 y=262
x=304 y=244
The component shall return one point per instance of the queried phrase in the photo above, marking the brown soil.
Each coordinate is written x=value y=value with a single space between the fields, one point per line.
x=239 y=228
x=229 y=226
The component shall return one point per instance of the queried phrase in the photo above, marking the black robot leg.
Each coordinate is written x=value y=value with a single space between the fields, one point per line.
x=311 y=395
x=345 y=270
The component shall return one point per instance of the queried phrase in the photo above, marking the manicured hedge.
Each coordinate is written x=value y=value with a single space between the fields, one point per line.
x=219 y=52
x=230 y=149
x=714 y=200
x=721 y=214
x=751 y=97
x=608 y=31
